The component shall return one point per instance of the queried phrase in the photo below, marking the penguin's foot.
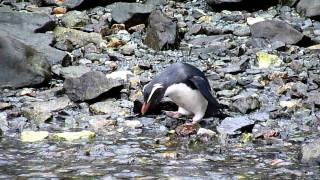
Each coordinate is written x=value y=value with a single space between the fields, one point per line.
x=173 y=114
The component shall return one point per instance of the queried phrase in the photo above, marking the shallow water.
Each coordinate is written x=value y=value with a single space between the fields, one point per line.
x=144 y=156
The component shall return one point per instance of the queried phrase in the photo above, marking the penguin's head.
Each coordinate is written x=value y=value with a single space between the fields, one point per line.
x=152 y=95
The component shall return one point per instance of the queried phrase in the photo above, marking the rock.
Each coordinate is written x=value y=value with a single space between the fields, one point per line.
x=21 y=65
x=122 y=75
x=67 y=38
x=59 y=10
x=42 y=111
x=246 y=104
x=275 y=30
x=128 y=49
x=289 y=104
x=133 y=124
x=89 y=86
x=206 y=132
x=72 y=71
x=187 y=129
x=309 y=8
x=33 y=136
x=78 y=4
x=315 y=48
x=108 y=107
x=251 y=20
x=314 y=97
x=72 y=136
x=131 y=14
x=29 y=29
x=3 y=123
x=162 y=32
x=232 y=125
x=240 y=4
x=75 y=19
x=5 y=105
x=266 y=60
x=311 y=152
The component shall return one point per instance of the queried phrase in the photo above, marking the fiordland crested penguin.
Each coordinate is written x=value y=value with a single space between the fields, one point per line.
x=187 y=87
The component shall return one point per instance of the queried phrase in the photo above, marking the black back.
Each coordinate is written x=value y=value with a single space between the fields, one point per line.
x=184 y=73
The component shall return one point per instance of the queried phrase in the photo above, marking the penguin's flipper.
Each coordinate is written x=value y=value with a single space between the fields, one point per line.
x=204 y=88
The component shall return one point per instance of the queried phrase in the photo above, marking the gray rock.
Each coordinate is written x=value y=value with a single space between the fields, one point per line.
x=75 y=19
x=29 y=28
x=275 y=30
x=68 y=38
x=78 y=4
x=232 y=125
x=246 y=104
x=21 y=65
x=72 y=71
x=131 y=14
x=314 y=97
x=42 y=111
x=89 y=86
x=108 y=107
x=310 y=8
x=162 y=32
x=311 y=152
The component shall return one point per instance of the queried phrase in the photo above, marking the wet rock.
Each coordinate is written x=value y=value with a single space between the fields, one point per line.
x=71 y=71
x=161 y=32
x=33 y=136
x=275 y=30
x=187 y=129
x=206 y=132
x=310 y=8
x=89 y=86
x=29 y=29
x=67 y=38
x=75 y=19
x=72 y=136
x=101 y=150
x=240 y=4
x=133 y=124
x=42 y=111
x=246 y=104
x=3 y=123
x=18 y=124
x=232 y=125
x=21 y=65
x=108 y=107
x=131 y=14
x=311 y=152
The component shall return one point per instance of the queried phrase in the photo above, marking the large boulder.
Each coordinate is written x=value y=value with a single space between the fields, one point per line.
x=161 y=32
x=89 y=86
x=21 y=65
x=241 y=4
x=275 y=30
x=310 y=8
x=30 y=28
x=131 y=14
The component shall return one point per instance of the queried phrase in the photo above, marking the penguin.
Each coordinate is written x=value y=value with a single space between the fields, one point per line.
x=187 y=87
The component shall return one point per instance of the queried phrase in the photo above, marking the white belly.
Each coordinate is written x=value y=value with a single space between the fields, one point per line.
x=187 y=98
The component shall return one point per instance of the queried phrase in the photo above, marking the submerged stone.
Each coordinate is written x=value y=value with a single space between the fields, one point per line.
x=33 y=136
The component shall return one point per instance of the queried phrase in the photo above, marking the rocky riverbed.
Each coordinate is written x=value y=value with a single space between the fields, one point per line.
x=72 y=73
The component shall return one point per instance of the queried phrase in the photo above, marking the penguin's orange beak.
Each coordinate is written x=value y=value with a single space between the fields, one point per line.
x=145 y=108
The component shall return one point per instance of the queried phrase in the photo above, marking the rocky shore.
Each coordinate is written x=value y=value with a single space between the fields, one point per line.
x=72 y=73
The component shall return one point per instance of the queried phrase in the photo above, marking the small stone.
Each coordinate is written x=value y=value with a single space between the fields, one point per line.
x=251 y=20
x=128 y=49
x=133 y=124
x=33 y=136
x=187 y=129
x=75 y=19
x=232 y=125
x=246 y=104
x=5 y=105
x=123 y=75
x=3 y=122
x=206 y=132
x=266 y=60
x=71 y=136
x=311 y=152
x=289 y=104
x=59 y=10
x=108 y=107
x=73 y=71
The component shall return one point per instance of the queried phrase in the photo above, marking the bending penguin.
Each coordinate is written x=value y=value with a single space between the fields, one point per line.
x=187 y=87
